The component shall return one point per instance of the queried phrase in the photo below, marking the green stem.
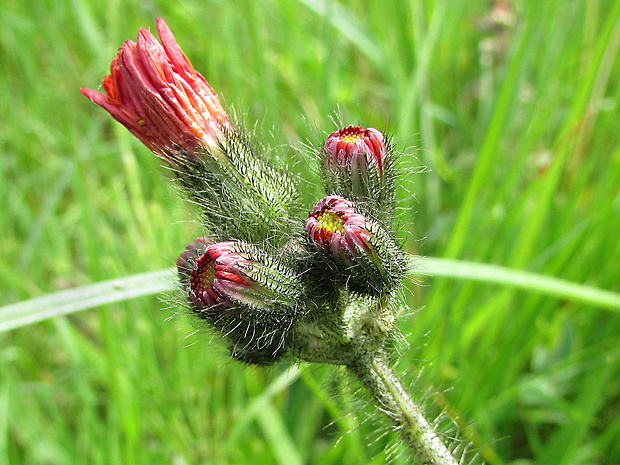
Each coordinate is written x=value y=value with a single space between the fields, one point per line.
x=417 y=433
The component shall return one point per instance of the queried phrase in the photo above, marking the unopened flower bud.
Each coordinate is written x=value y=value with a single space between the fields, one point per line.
x=357 y=165
x=237 y=275
x=249 y=296
x=187 y=261
x=338 y=228
x=360 y=248
x=357 y=148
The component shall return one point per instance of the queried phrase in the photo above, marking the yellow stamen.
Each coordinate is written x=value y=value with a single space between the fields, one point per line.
x=331 y=221
x=351 y=138
x=206 y=275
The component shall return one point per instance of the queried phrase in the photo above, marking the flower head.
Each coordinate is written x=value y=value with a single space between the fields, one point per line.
x=358 y=164
x=218 y=277
x=360 y=249
x=155 y=92
x=251 y=297
x=236 y=275
x=356 y=151
x=337 y=227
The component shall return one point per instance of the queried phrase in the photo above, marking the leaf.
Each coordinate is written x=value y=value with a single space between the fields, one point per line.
x=84 y=297
x=517 y=278
x=116 y=290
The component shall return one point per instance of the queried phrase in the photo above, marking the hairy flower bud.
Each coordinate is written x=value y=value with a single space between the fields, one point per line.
x=337 y=227
x=356 y=148
x=155 y=92
x=357 y=165
x=187 y=261
x=252 y=298
x=360 y=248
x=237 y=275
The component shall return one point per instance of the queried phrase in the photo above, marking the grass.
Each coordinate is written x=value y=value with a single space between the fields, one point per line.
x=517 y=125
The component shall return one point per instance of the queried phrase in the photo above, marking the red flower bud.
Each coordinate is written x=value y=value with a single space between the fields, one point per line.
x=355 y=151
x=251 y=297
x=235 y=275
x=358 y=165
x=218 y=270
x=337 y=227
x=155 y=92
x=361 y=250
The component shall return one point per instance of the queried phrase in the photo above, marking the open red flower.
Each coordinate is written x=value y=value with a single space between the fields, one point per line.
x=155 y=92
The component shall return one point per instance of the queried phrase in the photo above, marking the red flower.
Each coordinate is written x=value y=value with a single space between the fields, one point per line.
x=359 y=249
x=354 y=151
x=336 y=226
x=219 y=268
x=236 y=275
x=155 y=92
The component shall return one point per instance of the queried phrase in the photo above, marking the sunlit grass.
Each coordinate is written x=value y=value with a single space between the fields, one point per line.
x=518 y=126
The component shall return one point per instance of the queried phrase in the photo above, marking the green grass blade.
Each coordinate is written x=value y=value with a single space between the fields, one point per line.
x=84 y=297
x=116 y=290
x=345 y=24
x=520 y=279
x=276 y=433
x=259 y=405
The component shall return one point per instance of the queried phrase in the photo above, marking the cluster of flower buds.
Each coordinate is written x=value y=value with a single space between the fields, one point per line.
x=252 y=278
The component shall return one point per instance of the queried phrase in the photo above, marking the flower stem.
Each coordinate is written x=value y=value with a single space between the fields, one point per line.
x=417 y=433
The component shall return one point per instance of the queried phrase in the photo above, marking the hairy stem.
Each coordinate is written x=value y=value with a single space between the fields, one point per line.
x=417 y=433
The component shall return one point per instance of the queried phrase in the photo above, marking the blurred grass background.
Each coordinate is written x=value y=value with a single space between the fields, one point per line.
x=511 y=106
